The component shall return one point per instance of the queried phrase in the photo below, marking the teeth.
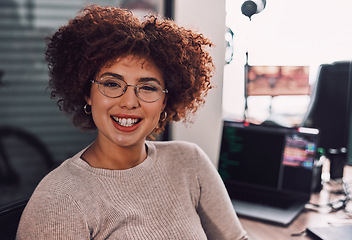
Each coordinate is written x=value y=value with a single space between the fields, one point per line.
x=125 y=122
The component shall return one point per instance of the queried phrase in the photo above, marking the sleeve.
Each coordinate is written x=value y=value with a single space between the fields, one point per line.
x=218 y=217
x=52 y=216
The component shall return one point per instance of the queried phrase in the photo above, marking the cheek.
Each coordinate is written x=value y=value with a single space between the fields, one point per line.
x=97 y=99
x=154 y=111
x=100 y=106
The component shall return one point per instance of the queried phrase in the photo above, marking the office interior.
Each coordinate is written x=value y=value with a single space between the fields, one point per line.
x=284 y=33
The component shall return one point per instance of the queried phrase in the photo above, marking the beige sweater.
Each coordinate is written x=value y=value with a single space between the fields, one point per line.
x=176 y=193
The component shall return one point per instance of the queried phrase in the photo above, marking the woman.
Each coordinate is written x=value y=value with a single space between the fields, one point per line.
x=127 y=79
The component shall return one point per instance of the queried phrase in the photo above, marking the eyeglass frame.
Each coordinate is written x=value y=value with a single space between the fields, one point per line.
x=125 y=89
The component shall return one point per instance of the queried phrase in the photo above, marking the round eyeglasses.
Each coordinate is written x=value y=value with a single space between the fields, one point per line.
x=112 y=87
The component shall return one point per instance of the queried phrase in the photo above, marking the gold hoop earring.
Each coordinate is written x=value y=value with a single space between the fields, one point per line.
x=87 y=109
x=164 y=117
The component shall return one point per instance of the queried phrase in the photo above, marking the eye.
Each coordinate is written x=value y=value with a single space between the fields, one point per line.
x=149 y=87
x=112 y=83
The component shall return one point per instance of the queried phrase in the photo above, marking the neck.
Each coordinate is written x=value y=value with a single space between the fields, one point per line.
x=114 y=157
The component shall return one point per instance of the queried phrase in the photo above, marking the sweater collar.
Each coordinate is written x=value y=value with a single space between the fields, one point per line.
x=138 y=170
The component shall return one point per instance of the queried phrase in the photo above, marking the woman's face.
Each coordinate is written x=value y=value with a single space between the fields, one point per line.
x=126 y=120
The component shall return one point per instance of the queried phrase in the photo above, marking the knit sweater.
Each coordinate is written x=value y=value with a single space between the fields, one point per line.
x=175 y=193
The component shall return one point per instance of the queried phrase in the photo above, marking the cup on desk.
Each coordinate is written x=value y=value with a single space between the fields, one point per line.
x=338 y=159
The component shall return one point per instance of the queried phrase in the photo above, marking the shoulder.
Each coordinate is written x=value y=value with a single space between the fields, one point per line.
x=68 y=177
x=174 y=146
x=181 y=153
x=177 y=148
x=69 y=186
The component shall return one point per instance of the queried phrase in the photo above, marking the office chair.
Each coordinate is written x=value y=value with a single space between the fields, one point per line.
x=329 y=111
x=10 y=215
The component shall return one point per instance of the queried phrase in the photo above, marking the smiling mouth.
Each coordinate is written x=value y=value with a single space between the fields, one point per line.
x=126 y=122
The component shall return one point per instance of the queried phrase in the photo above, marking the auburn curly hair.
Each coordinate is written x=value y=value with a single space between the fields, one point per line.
x=99 y=35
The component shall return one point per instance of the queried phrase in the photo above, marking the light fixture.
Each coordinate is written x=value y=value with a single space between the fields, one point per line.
x=251 y=7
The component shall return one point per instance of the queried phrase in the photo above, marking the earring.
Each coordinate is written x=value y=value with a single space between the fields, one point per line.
x=164 y=117
x=87 y=109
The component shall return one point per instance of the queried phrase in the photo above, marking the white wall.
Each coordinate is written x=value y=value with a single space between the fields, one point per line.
x=286 y=32
x=208 y=17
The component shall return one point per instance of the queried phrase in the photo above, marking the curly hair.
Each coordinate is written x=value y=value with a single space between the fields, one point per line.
x=99 y=35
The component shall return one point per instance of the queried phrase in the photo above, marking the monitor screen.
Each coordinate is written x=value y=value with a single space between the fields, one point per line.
x=298 y=151
x=280 y=159
x=277 y=80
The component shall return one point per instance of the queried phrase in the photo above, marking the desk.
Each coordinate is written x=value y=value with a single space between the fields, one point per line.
x=308 y=218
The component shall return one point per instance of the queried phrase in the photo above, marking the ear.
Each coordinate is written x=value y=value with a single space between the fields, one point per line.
x=88 y=100
x=164 y=104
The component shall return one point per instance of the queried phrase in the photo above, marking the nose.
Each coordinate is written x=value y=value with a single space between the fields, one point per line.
x=129 y=99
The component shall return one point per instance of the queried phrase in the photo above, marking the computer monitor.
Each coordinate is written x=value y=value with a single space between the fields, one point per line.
x=267 y=171
x=273 y=158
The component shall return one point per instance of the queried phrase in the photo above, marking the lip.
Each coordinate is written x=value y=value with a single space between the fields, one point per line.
x=123 y=128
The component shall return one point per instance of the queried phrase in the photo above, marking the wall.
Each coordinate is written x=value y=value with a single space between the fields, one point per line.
x=208 y=17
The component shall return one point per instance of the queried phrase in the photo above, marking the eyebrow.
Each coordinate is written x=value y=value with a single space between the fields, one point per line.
x=115 y=75
x=118 y=76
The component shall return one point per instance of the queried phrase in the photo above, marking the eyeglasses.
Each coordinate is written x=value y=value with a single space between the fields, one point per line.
x=112 y=87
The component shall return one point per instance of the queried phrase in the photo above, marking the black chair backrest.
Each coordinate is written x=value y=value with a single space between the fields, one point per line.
x=330 y=106
x=10 y=215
